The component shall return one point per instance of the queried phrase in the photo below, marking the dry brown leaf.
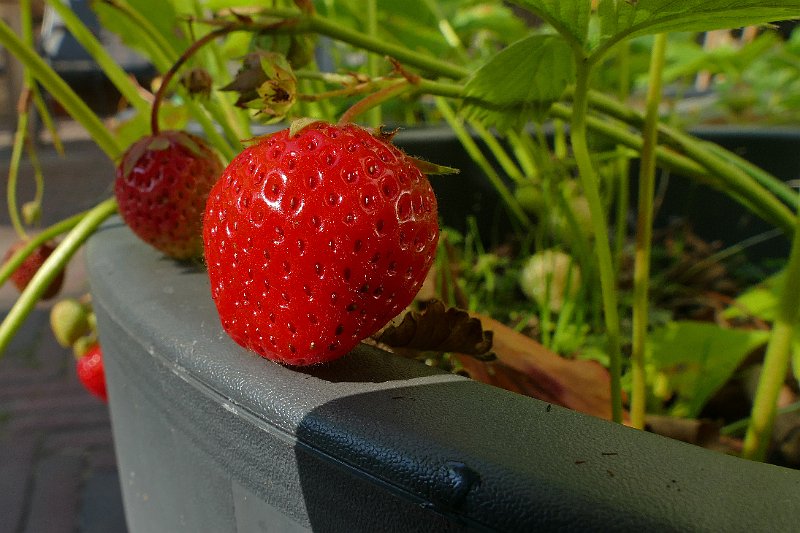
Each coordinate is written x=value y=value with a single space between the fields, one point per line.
x=440 y=329
x=523 y=365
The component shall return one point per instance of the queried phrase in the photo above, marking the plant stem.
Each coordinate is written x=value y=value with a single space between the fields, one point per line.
x=589 y=181
x=499 y=153
x=167 y=78
x=672 y=160
x=477 y=156
x=374 y=99
x=108 y=64
x=297 y=22
x=373 y=60
x=50 y=269
x=623 y=160
x=62 y=92
x=16 y=157
x=776 y=360
x=644 y=233
x=760 y=187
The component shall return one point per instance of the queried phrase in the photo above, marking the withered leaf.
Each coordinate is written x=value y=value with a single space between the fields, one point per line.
x=442 y=329
x=265 y=83
x=523 y=365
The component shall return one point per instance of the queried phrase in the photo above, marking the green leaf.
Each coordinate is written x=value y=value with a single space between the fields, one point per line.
x=166 y=20
x=520 y=82
x=643 y=17
x=760 y=301
x=569 y=17
x=697 y=358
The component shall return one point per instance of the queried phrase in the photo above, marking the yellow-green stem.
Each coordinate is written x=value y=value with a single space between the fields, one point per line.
x=374 y=116
x=589 y=181
x=13 y=167
x=644 y=233
x=108 y=64
x=373 y=100
x=623 y=160
x=62 y=92
x=477 y=156
x=776 y=360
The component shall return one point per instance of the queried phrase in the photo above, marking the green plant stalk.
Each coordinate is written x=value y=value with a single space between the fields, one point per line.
x=163 y=55
x=34 y=242
x=237 y=118
x=520 y=144
x=109 y=66
x=776 y=360
x=666 y=157
x=644 y=233
x=589 y=181
x=47 y=120
x=740 y=425
x=297 y=22
x=767 y=180
x=13 y=168
x=499 y=153
x=374 y=116
x=681 y=164
x=56 y=86
x=50 y=269
x=477 y=156
x=38 y=177
x=447 y=30
x=375 y=99
x=717 y=160
x=623 y=161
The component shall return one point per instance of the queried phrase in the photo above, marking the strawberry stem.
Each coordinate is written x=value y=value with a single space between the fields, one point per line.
x=54 y=264
x=16 y=157
x=374 y=99
x=188 y=53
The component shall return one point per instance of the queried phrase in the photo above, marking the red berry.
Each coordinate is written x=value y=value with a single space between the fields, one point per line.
x=316 y=240
x=161 y=188
x=90 y=372
x=25 y=272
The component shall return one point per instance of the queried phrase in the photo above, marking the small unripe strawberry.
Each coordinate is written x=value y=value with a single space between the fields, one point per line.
x=91 y=372
x=25 y=272
x=69 y=320
x=550 y=277
x=161 y=189
x=315 y=238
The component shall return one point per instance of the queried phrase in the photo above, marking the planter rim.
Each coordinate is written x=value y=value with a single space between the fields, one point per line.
x=473 y=453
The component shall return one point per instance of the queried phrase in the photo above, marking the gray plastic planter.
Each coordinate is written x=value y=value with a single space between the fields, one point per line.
x=212 y=438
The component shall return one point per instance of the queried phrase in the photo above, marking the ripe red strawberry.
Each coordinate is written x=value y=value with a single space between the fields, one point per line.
x=161 y=188
x=317 y=239
x=90 y=371
x=25 y=272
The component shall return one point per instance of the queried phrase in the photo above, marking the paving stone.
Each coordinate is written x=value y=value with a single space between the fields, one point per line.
x=55 y=495
x=16 y=472
x=58 y=468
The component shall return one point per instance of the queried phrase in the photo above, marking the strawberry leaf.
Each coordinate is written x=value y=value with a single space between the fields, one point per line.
x=633 y=18
x=698 y=358
x=570 y=19
x=440 y=329
x=520 y=82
